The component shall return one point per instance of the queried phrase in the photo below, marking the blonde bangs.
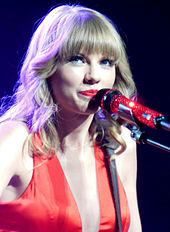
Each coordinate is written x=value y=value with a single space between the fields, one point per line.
x=91 y=36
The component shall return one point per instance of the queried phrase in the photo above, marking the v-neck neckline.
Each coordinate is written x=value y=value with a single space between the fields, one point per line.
x=72 y=194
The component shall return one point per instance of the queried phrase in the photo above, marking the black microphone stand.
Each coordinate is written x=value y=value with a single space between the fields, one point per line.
x=109 y=152
x=141 y=137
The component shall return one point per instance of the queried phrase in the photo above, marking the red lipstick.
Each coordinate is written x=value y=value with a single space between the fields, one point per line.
x=89 y=93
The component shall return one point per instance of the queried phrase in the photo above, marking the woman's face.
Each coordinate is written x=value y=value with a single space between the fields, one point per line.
x=78 y=79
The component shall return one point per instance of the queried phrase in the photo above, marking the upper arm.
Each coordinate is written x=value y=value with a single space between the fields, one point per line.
x=127 y=169
x=12 y=138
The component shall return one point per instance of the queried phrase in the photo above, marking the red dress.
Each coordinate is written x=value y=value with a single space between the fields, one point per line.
x=48 y=204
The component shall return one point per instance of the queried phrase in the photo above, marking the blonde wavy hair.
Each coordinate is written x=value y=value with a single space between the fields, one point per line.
x=63 y=32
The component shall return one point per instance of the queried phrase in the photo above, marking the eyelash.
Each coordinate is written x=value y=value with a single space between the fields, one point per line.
x=111 y=62
x=73 y=59
x=76 y=58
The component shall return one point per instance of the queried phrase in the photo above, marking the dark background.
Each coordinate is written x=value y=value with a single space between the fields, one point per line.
x=145 y=28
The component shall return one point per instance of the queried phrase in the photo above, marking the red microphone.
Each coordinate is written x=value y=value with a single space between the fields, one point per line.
x=113 y=102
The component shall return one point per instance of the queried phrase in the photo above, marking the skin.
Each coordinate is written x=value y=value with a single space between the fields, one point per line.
x=76 y=155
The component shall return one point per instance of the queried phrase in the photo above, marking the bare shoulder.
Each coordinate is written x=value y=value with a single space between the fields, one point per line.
x=127 y=162
x=13 y=135
x=131 y=144
x=127 y=169
x=8 y=128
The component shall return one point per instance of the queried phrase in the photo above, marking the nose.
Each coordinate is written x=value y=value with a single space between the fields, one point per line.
x=92 y=75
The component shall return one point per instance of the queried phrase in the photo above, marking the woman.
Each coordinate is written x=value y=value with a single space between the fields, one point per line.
x=54 y=176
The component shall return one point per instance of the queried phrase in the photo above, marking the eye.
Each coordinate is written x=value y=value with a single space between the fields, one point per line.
x=107 y=62
x=77 y=59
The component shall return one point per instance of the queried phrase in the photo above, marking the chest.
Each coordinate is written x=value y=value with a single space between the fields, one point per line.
x=81 y=176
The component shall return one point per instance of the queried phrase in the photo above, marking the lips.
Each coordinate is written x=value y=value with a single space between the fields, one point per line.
x=89 y=93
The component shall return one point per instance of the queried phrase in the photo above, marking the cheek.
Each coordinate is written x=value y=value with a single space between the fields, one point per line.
x=70 y=77
x=62 y=87
x=56 y=85
x=113 y=78
x=61 y=80
x=110 y=80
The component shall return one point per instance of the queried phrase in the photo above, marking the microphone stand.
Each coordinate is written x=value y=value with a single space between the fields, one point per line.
x=141 y=137
x=109 y=152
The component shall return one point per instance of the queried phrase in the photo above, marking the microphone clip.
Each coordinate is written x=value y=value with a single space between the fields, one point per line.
x=141 y=137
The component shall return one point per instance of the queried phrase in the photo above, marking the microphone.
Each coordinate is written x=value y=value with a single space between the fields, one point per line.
x=112 y=101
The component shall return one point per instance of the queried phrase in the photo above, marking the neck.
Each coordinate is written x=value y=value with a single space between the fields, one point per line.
x=74 y=132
